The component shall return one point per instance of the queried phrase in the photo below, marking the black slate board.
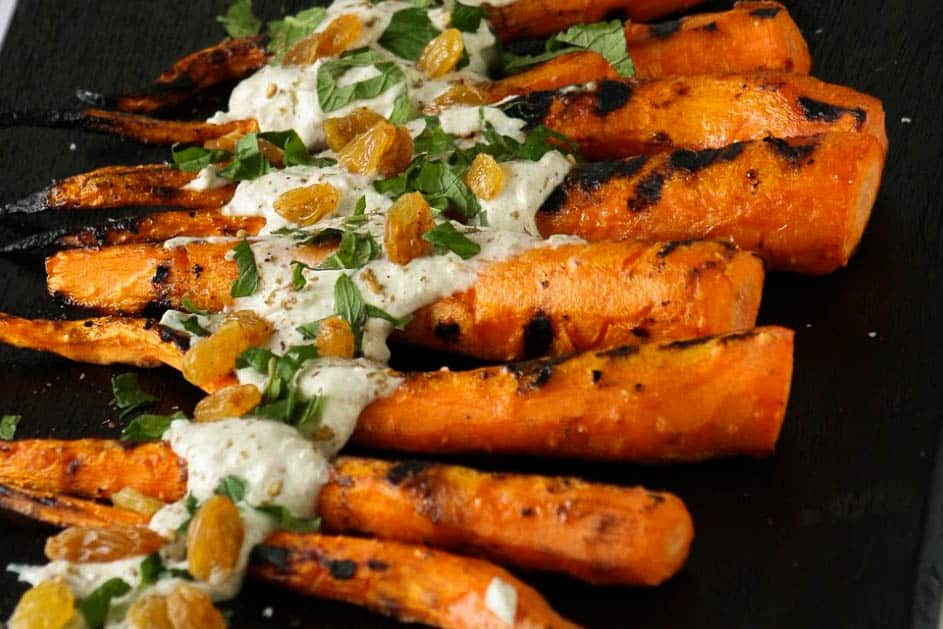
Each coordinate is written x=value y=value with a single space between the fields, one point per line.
x=842 y=528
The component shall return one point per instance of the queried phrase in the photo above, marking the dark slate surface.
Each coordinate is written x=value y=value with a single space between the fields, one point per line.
x=841 y=528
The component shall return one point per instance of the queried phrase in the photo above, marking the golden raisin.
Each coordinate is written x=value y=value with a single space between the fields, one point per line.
x=307 y=205
x=133 y=500
x=226 y=403
x=189 y=607
x=408 y=219
x=85 y=544
x=49 y=605
x=214 y=540
x=215 y=356
x=337 y=37
x=338 y=132
x=442 y=54
x=149 y=612
x=484 y=177
x=335 y=338
x=382 y=148
x=461 y=94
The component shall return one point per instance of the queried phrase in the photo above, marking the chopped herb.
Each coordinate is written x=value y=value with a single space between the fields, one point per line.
x=311 y=330
x=248 y=281
x=189 y=307
x=129 y=396
x=467 y=18
x=296 y=153
x=192 y=325
x=332 y=96
x=282 y=400
x=357 y=218
x=152 y=569
x=256 y=358
x=446 y=238
x=248 y=162
x=233 y=487
x=192 y=504
x=288 y=522
x=298 y=280
x=378 y=313
x=402 y=108
x=354 y=251
x=605 y=38
x=95 y=606
x=149 y=427
x=350 y=306
x=195 y=158
x=409 y=32
x=439 y=182
x=239 y=21
x=285 y=33
x=433 y=141
x=8 y=425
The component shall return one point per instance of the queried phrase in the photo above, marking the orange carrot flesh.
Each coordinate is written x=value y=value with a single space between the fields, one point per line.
x=148 y=130
x=631 y=403
x=65 y=511
x=412 y=583
x=540 y=18
x=624 y=118
x=802 y=203
x=753 y=36
x=103 y=341
x=121 y=186
x=598 y=533
x=535 y=303
x=163 y=226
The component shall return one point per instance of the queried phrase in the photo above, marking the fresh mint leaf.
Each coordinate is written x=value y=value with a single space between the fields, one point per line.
x=285 y=33
x=248 y=162
x=467 y=18
x=438 y=180
x=233 y=487
x=446 y=238
x=129 y=396
x=192 y=325
x=332 y=96
x=239 y=20
x=409 y=32
x=8 y=425
x=151 y=568
x=288 y=522
x=357 y=218
x=187 y=304
x=95 y=606
x=402 y=108
x=298 y=280
x=256 y=358
x=149 y=427
x=296 y=153
x=248 y=281
x=433 y=141
x=537 y=143
x=354 y=251
x=605 y=38
x=349 y=304
x=196 y=158
x=283 y=401
x=378 y=313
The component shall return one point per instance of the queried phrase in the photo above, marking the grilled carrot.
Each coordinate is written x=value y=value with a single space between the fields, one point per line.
x=229 y=60
x=162 y=226
x=752 y=36
x=623 y=118
x=391 y=578
x=130 y=126
x=655 y=402
x=101 y=341
x=684 y=400
x=802 y=203
x=543 y=301
x=538 y=18
x=412 y=583
x=511 y=518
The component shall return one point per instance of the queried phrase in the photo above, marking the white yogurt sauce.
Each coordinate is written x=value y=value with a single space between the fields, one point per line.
x=526 y=186
x=501 y=599
x=207 y=179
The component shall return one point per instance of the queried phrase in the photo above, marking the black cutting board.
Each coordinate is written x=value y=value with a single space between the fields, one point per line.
x=841 y=528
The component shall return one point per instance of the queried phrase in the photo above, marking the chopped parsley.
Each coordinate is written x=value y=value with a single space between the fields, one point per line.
x=354 y=251
x=282 y=400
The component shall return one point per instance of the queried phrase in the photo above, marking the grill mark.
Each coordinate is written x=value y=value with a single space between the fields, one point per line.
x=161 y=274
x=647 y=192
x=612 y=95
x=766 y=13
x=794 y=154
x=710 y=27
x=447 y=332
x=737 y=336
x=817 y=110
x=532 y=108
x=538 y=335
x=597 y=375
x=167 y=335
x=275 y=556
x=341 y=569
x=406 y=470
x=686 y=343
x=693 y=161
x=590 y=176
x=623 y=351
x=533 y=374
x=664 y=30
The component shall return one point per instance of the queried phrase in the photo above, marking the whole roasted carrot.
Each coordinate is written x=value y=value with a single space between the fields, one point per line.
x=750 y=37
x=538 y=18
x=162 y=226
x=598 y=533
x=623 y=118
x=542 y=301
x=412 y=583
x=802 y=203
x=682 y=400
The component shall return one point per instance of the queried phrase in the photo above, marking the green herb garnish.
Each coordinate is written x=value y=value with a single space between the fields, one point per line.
x=149 y=427
x=95 y=606
x=239 y=20
x=409 y=32
x=129 y=396
x=446 y=238
x=248 y=281
x=8 y=425
x=605 y=38
x=332 y=96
